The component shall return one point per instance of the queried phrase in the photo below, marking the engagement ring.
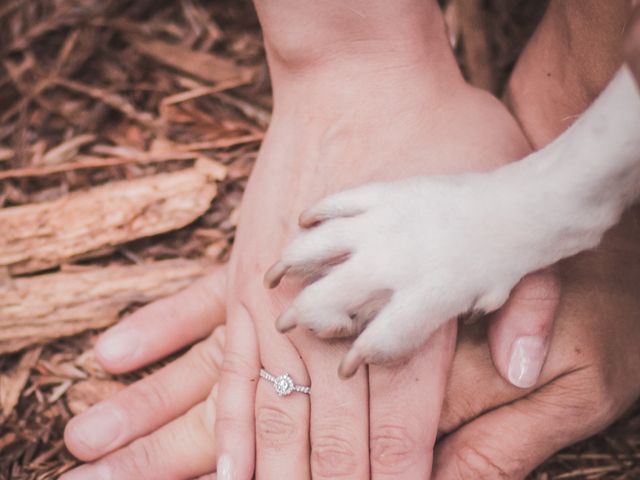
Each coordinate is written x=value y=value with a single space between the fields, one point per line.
x=283 y=385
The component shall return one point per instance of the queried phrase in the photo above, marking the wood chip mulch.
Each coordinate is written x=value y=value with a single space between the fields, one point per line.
x=139 y=98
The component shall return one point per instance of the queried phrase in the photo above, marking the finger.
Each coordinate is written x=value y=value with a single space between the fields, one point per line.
x=472 y=365
x=164 y=326
x=512 y=440
x=147 y=404
x=237 y=389
x=281 y=422
x=343 y=204
x=339 y=414
x=519 y=333
x=405 y=405
x=182 y=449
x=311 y=252
x=397 y=330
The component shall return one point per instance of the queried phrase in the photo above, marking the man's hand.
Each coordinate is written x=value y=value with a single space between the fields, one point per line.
x=162 y=425
x=590 y=378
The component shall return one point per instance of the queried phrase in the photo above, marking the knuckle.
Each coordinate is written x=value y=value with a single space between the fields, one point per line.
x=237 y=365
x=204 y=420
x=332 y=453
x=148 y=395
x=208 y=357
x=138 y=461
x=472 y=463
x=225 y=424
x=457 y=409
x=275 y=427
x=539 y=287
x=219 y=337
x=392 y=449
x=588 y=396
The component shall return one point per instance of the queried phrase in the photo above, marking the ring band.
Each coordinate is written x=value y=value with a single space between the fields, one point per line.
x=283 y=385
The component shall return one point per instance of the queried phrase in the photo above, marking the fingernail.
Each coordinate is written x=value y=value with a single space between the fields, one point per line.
x=224 y=470
x=118 y=345
x=86 y=472
x=98 y=428
x=286 y=321
x=527 y=357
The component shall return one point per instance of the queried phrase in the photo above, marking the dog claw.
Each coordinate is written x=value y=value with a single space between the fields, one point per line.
x=286 y=321
x=275 y=274
x=350 y=364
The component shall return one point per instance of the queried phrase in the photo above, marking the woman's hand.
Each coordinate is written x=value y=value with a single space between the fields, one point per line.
x=369 y=420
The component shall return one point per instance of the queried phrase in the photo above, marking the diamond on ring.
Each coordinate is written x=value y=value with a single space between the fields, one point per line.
x=283 y=384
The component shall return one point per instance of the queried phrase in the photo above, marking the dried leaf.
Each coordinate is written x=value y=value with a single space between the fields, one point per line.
x=6 y=154
x=59 y=391
x=204 y=65
x=12 y=383
x=67 y=150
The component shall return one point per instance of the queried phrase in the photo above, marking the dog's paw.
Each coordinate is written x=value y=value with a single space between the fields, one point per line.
x=392 y=262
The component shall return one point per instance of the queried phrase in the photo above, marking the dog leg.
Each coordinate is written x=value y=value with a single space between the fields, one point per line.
x=440 y=246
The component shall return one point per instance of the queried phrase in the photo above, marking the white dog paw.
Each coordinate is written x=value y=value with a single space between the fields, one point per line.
x=395 y=261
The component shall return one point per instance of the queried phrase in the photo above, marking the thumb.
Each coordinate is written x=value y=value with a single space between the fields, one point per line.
x=512 y=440
x=520 y=332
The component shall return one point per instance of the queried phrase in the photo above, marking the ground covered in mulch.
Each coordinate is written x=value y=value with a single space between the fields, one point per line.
x=96 y=93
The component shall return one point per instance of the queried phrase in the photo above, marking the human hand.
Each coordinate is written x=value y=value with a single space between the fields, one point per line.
x=345 y=437
x=169 y=411
x=161 y=426
x=590 y=378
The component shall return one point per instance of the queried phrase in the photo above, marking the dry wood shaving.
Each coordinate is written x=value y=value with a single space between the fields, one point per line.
x=109 y=97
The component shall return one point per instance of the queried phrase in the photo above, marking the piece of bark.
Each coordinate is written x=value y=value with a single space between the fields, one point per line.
x=39 y=236
x=41 y=308
x=12 y=383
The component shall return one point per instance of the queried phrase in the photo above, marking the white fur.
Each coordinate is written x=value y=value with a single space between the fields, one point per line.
x=423 y=250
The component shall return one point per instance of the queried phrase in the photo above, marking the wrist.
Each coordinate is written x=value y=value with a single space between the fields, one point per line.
x=333 y=50
x=305 y=34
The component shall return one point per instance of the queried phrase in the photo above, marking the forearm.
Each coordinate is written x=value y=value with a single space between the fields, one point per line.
x=305 y=33
x=577 y=187
x=315 y=47
x=571 y=57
